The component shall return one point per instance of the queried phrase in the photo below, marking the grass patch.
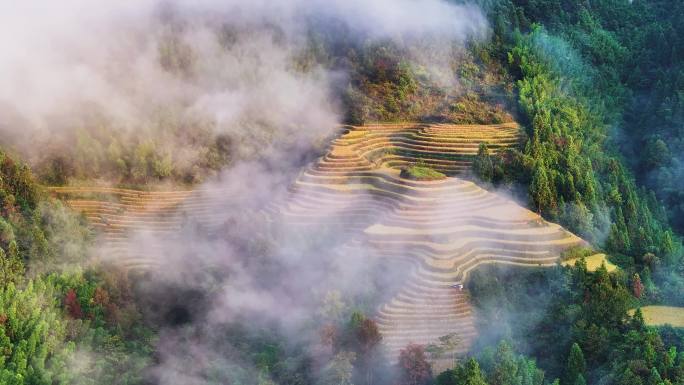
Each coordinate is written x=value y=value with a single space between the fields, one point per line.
x=662 y=315
x=421 y=172
x=354 y=134
x=593 y=262
x=378 y=156
x=577 y=252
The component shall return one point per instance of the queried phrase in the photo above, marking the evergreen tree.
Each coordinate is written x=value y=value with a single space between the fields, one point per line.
x=654 y=378
x=576 y=365
x=505 y=370
x=470 y=374
x=339 y=370
x=483 y=167
x=637 y=321
x=540 y=190
x=629 y=378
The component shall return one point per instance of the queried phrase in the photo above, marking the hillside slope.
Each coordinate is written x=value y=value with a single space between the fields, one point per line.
x=440 y=229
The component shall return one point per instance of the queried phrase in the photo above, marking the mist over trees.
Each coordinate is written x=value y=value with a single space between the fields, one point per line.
x=184 y=93
x=575 y=66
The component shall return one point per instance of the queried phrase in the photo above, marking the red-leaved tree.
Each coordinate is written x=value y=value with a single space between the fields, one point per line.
x=415 y=369
x=369 y=338
x=637 y=286
x=328 y=334
x=72 y=304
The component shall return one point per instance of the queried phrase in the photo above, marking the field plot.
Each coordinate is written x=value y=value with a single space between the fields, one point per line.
x=442 y=228
x=593 y=262
x=120 y=213
x=663 y=315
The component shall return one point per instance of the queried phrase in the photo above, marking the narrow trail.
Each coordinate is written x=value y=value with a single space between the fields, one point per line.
x=442 y=228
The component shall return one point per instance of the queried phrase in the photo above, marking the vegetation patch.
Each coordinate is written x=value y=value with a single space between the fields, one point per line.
x=582 y=327
x=377 y=157
x=593 y=262
x=577 y=253
x=421 y=172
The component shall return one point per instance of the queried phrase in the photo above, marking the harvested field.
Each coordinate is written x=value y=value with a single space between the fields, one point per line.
x=441 y=228
x=593 y=262
x=663 y=315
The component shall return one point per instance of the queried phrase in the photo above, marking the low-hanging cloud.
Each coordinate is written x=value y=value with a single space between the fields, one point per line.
x=147 y=66
x=153 y=68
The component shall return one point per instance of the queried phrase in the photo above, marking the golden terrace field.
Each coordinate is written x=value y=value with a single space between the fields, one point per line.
x=593 y=262
x=663 y=315
x=441 y=228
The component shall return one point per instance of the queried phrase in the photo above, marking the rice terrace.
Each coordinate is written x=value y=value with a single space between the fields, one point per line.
x=443 y=228
x=663 y=315
x=342 y=192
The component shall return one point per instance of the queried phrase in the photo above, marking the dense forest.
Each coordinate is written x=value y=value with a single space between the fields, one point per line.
x=598 y=88
x=571 y=96
x=53 y=308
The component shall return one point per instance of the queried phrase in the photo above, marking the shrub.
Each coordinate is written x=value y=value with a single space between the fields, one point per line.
x=420 y=171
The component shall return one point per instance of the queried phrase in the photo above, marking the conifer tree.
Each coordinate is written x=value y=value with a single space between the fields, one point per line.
x=483 y=165
x=654 y=378
x=469 y=374
x=540 y=190
x=576 y=366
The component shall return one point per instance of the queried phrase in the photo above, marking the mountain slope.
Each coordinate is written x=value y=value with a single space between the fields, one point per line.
x=440 y=229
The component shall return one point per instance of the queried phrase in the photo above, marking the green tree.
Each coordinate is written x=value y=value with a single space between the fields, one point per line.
x=469 y=374
x=505 y=370
x=657 y=154
x=339 y=371
x=576 y=366
x=654 y=377
x=540 y=190
x=447 y=345
x=483 y=167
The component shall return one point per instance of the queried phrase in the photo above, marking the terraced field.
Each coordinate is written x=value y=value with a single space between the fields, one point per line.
x=442 y=229
x=445 y=148
x=123 y=214
x=662 y=315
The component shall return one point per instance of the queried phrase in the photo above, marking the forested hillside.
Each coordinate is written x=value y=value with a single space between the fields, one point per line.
x=576 y=91
x=294 y=193
x=54 y=310
x=596 y=87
